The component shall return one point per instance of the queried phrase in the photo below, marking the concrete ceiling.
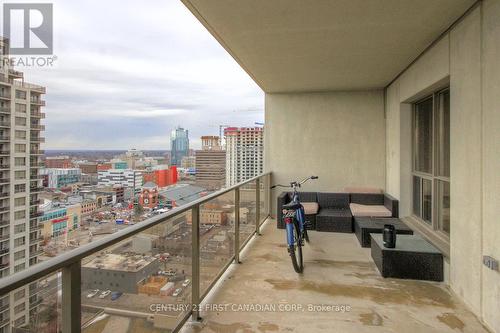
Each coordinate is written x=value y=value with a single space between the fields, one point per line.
x=320 y=45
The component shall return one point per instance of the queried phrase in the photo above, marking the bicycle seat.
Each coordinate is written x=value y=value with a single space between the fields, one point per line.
x=292 y=205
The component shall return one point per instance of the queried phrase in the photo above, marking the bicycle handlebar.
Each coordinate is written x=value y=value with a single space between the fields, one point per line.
x=292 y=184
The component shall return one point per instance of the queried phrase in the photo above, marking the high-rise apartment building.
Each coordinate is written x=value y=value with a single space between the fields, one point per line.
x=179 y=145
x=244 y=153
x=20 y=129
x=211 y=163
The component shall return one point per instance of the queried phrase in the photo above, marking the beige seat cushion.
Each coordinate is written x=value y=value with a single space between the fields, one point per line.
x=369 y=210
x=310 y=208
x=354 y=189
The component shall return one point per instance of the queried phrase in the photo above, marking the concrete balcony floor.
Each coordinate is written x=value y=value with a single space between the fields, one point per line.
x=337 y=272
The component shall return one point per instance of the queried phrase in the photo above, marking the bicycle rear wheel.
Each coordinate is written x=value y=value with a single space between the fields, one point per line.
x=297 y=261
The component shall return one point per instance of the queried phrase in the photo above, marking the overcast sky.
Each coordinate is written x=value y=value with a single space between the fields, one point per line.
x=128 y=72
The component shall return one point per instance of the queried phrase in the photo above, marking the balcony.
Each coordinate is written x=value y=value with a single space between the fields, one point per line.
x=4 y=138
x=37 y=127
x=34 y=189
x=5 y=124
x=340 y=285
x=37 y=114
x=5 y=95
x=4 y=251
x=4 y=166
x=37 y=101
x=36 y=226
x=35 y=202
x=4 y=181
x=4 y=152
x=37 y=152
x=35 y=253
x=36 y=240
x=35 y=214
x=4 y=109
x=33 y=87
x=34 y=138
x=16 y=74
x=4 y=195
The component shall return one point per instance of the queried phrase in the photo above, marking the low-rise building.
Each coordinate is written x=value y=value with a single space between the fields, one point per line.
x=124 y=177
x=58 y=162
x=118 y=272
x=58 y=218
x=60 y=177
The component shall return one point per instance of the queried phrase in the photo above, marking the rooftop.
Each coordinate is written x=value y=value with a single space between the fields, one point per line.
x=120 y=262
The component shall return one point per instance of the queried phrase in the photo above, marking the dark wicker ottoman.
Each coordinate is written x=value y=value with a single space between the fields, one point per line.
x=334 y=220
x=412 y=258
x=364 y=226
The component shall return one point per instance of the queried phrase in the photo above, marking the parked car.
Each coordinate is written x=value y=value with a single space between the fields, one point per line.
x=177 y=292
x=115 y=295
x=186 y=283
x=105 y=294
x=92 y=293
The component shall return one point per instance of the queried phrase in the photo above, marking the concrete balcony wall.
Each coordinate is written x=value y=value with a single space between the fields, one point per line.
x=466 y=59
x=338 y=136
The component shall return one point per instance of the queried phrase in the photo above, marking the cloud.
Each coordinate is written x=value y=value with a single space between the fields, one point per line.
x=128 y=72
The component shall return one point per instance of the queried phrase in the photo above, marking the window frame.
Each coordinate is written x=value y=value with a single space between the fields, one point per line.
x=435 y=224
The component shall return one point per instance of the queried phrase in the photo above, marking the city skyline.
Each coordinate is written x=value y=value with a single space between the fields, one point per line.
x=131 y=87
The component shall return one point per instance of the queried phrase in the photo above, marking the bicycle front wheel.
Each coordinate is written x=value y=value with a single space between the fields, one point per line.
x=296 y=250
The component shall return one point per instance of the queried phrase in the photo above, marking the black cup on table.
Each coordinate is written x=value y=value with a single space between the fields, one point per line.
x=389 y=236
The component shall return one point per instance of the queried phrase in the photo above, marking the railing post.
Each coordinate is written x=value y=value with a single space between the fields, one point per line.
x=195 y=269
x=237 y=225
x=269 y=196
x=71 y=298
x=257 y=207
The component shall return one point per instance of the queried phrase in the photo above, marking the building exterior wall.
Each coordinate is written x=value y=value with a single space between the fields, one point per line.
x=60 y=177
x=116 y=280
x=338 y=136
x=88 y=168
x=58 y=162
x=127 y=177
x=466 y=59
x=179 y=145
x=21 y=106
x=211 y=168
x=244 y=153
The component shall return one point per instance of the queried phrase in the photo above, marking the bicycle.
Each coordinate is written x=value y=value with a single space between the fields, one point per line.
x=294 y=220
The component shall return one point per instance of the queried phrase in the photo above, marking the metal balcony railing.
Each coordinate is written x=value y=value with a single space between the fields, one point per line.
x=36 y=127
x=253 y=194
x=34 y=87
x=15 y=73
x=37 y=101
x=4 y=109
x=37 y=114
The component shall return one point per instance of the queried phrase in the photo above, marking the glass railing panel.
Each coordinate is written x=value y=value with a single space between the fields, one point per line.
x=264 y=209
x=247 y=212
x=36 y=307
x=216 y=238
x=142 y=284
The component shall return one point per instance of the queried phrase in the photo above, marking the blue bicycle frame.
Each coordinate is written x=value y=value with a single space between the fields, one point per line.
x=299 y=216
